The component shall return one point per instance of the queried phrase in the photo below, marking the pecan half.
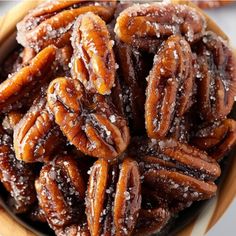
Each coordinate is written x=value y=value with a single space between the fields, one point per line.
x=51 y=23
x=16 y=176
x=159 y=21
x=37 y=136
x=21 y=87
x=170 y=85
x=179 y=171
x=217 y=139
x=216 y=77
x=129 y=92
x=61 y=190
x=113 y=198
x=93 y=62
x=87 y=120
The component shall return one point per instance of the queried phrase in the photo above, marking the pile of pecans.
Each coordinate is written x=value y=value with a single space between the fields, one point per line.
x=114 y=115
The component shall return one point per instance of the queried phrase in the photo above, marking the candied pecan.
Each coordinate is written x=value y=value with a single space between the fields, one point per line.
x=217 y=138
x=93 y=62
x=212 y=4
x=159 y=21
x=170 y=86
x=16 y=176
x=216 y=77
x=113 y=198
x=51 y=23
x=37 y=136
x=151 y=221
x=88 y=120
x=61 y=190
x=129 y=92
x=21 y=87
x=179 y=171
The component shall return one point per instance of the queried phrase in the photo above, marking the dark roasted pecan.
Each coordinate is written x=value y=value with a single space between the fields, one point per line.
x=93 y=62
x=179 y=171
x=87 y=120
x=170 y=86
x=21 y=88
x=129 y=91
x=216 y=77
x=51 y=23
x=16 y=176
x=113 y=198
x=217 y=138
x=61 y=190
x=158 y=21
x=151 y=221
x=37 y=136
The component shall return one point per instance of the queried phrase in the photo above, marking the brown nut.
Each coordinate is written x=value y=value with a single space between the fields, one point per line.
x=52 y=23
x=217 y=139
x=16 y=176
x=180 y=171
x=21 y=87
x=159 y=21
x=88 y=121
x=37 y=136
x=93 y=62
x=113 y=198
x=61 y=190
x=216 y=77
x=129 y=91
x=170 y=86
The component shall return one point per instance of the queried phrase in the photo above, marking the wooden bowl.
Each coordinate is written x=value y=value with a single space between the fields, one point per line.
x=201 y=222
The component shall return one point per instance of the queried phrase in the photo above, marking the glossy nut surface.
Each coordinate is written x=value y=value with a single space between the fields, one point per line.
x=113 y=198
x=93 y=62
x=159 y=21
x=60 y=191
x=52 y=24
x=17 y=89
x=170 y=85
x=88 y=121
x=37 y=136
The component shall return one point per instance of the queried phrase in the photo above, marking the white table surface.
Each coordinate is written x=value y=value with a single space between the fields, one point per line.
x=226 y=18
